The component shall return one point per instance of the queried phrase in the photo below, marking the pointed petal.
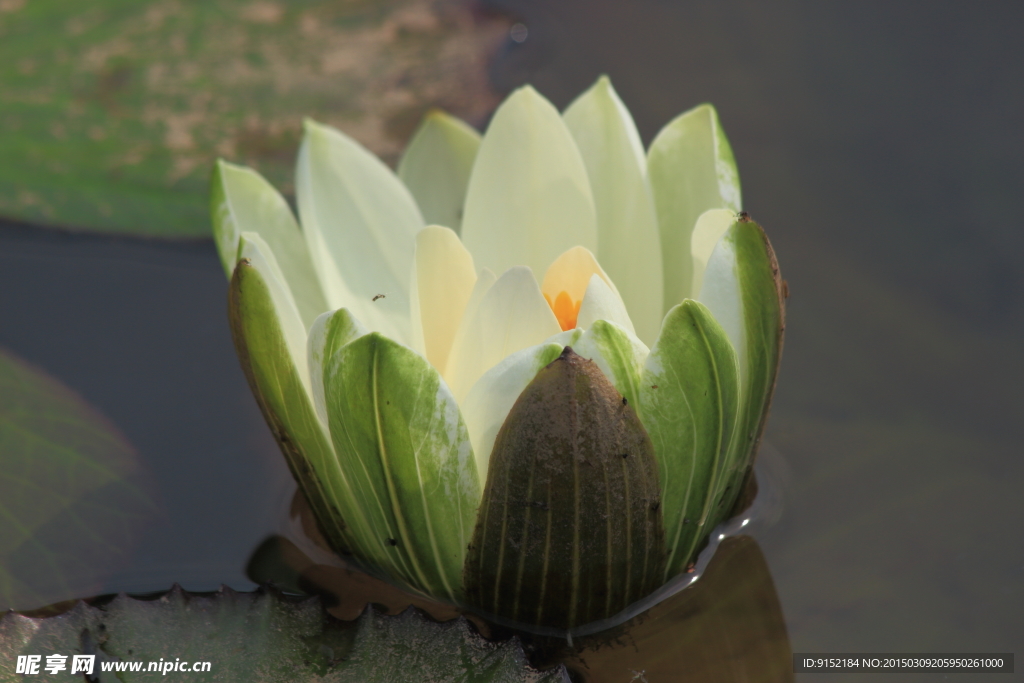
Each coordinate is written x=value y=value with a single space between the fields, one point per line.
x=243 y=201
x=688 y=404
x=269 y=338
x=601 y=303
x=360 y=224
x=488 y=402
x=444 y=282
x=512 y=315
x=529 y=198
x=710 y=227
x=691 y=170
x=329 y=332
x=629 y=245
x=570 y=273
x=618 y=353
x=436 y=166
x=398 y=433
x=742 y=289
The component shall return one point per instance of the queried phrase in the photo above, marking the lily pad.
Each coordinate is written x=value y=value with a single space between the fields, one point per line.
x=264 y=636
x=113 y=111
x=69 y=504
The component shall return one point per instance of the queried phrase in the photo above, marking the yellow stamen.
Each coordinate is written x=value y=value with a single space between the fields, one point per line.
x=565 y=310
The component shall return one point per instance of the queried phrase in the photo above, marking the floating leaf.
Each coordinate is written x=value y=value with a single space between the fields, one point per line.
x=264 y=636
x=114 y=110
x=68 y=512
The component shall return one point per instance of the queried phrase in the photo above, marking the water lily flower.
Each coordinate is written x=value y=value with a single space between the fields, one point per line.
x=527 y=373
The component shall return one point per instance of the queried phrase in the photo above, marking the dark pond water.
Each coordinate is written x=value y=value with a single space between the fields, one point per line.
x=881 y=145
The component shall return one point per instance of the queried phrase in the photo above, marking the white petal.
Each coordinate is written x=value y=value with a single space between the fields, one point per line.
x=487 y=404
x=243 y=201
x=601 y=303
x=629 y=246
x=436 y=167
x=529 y=198
x=444 y=282
x=360 y=223
x=710 y=227
x=691 y=169
x=721 y=293
x=511 y=316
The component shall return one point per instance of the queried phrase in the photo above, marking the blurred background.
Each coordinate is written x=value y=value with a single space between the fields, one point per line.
x=880 y=144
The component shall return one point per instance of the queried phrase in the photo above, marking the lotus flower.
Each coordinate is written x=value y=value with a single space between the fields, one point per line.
x=526 y=374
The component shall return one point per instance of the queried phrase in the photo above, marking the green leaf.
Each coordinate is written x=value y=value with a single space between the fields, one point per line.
x=273 y=357
x=743 y=289
x=629 y=246
x=263 y=636
x=410 y=647
x=241 y=200
x=114 y=111
x=70 y=505
x=569 y=530
x=398 y=432
x=529 y=199
x=688 y=404
x=691 y=170
x=436 y=167
x=360 y=224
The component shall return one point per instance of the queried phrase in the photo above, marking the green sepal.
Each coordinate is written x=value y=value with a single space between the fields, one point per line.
x=282 y=396
x=688 y=403
x=569 y=529
x=398 y=432
x=761 y=309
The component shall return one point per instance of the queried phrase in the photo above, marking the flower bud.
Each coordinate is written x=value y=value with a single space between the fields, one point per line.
x=570 y=529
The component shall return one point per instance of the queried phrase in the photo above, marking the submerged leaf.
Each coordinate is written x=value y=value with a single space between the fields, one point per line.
x=68 y=506
x=569 y=530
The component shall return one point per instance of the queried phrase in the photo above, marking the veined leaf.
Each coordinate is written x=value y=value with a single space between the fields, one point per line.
x=569 y=530
x=688 y=403
x=70 y=505
x=263 y=636
x=397 y=431
x=691 y=170
x=743 y=290
x=436 y=167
